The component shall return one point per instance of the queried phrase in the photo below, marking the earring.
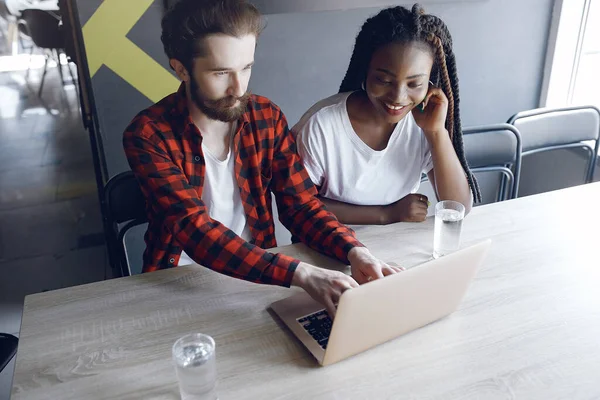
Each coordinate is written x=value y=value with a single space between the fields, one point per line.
x=362 y=86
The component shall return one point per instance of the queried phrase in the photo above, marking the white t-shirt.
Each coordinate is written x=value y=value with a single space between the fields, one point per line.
x=347 y=169
x=221 y=195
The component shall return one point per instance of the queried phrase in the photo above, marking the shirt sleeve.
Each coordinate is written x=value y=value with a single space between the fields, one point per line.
x=299 y=209
x=207 y=241
x=310 y=148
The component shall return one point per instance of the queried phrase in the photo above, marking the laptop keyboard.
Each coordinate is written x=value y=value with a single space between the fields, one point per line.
x=318 y=325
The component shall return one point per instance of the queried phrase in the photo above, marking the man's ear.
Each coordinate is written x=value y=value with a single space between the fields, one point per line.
x=180 y=70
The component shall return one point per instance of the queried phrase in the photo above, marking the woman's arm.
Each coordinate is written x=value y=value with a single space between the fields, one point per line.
x=356 y=215
x=447 y=176
x=411 y=208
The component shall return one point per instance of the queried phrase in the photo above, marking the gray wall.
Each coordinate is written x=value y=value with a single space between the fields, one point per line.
x=301 y=58
x=499 y=44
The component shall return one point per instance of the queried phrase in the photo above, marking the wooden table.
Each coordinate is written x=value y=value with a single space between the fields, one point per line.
x=529 y=327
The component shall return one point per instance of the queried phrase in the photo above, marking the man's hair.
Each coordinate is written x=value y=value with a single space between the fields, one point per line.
x=189 y=21
x=400 y=25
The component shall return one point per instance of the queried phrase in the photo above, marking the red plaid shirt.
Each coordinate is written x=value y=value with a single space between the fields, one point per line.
x=164 y=150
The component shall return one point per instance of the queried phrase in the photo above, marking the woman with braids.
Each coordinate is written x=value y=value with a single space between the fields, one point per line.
x=396 y=116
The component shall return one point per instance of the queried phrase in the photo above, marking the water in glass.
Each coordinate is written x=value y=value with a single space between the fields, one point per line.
x=446 y=236
x=196 y=370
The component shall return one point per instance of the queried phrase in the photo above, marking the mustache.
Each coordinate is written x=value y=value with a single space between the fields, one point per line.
x=229 y=101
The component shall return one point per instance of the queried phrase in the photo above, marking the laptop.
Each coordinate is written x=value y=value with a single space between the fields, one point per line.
x=382 y=309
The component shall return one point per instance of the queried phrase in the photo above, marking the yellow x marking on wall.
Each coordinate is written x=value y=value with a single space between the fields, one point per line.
x=106 y=43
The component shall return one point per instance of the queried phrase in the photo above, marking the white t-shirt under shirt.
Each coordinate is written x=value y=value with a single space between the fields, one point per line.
x=347 y=169
x=221 y=196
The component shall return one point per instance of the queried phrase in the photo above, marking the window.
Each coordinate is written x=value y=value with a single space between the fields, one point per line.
x=586 y=82
x=573 y=56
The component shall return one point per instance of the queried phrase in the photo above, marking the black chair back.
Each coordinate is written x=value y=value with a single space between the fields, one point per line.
x=8 y=349
x=124 y=199
x=43 y=28
x=125 y=204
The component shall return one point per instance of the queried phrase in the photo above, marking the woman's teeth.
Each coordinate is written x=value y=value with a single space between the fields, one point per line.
x=395 y=108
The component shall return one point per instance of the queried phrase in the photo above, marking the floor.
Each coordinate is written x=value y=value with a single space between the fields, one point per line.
x=50 y=222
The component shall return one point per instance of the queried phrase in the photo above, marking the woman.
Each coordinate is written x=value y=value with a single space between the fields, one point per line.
x=395 y=117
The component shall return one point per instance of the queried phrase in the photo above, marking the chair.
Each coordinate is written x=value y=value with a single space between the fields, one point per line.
x=495 y=148
x=490 y=149
x=45 y=31
x=8 y=349
x=126 y=209
x=546 y=129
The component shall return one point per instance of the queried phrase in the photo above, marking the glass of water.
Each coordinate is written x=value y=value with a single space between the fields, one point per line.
x=194 y=358
x=449 y=217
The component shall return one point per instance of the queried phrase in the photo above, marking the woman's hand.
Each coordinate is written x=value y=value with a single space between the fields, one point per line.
x=431 y=114
x=410 y=208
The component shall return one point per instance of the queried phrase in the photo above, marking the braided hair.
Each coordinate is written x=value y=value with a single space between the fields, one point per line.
x=398 y=24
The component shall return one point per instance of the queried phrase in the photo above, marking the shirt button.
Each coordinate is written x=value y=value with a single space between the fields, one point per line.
x=171 y=260
x=197 y=158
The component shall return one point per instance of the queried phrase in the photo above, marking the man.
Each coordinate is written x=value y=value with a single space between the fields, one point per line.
x=208 y=157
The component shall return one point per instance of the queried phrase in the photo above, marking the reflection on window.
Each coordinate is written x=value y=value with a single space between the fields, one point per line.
x=586 y=86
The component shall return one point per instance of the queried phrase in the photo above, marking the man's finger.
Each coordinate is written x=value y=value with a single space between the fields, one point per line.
x=395 y=266
x=375 y=272
x=352 y=283
x=387 y=270
x=361 y=278
x=330 y=306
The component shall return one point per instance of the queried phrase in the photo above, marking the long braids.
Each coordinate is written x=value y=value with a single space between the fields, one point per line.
x=398 y=24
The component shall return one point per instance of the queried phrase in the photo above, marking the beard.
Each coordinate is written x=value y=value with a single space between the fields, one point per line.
x=222 y=109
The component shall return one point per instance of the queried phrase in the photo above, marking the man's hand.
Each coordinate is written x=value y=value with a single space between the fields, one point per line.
x=323 y=285
x=365 y=267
